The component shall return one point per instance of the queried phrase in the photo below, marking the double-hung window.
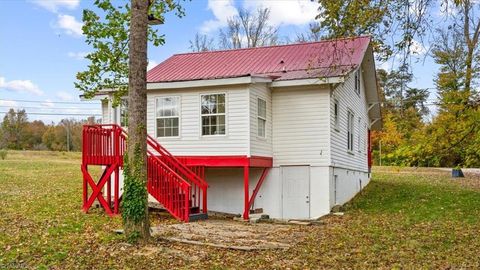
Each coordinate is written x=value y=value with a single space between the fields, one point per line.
x=123 y=112
x=262 y=117
x=350 y=119
x=336 y=113
x=357 y=81
x=213 y=114
x=359 y=126
x=168 y=116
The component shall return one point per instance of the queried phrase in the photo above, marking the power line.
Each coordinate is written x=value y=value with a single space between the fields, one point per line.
x=63 y=114
x=46 y=108
x=43 y=101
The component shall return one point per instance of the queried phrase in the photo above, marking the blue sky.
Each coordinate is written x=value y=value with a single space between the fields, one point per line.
x=42 y=47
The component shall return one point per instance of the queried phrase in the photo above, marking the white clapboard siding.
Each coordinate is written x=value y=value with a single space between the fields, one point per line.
x=191 y=142
x=260 y=146
x=348 y=99
x=106 y=112
x=301 y=126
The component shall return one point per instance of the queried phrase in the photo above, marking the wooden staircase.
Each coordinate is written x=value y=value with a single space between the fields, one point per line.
x=180 y=190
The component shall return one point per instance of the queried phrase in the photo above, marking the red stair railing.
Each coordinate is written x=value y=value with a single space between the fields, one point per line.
x=168 y=188
x=199 y=186
x=173 y=184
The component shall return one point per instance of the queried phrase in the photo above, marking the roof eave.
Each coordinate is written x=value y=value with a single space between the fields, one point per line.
x=311 y=81
x=209 y=82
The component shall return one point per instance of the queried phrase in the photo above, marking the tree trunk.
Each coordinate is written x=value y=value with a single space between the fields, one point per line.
x=135 y=204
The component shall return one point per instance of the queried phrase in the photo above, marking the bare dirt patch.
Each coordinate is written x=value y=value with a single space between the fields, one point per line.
x=232 y=234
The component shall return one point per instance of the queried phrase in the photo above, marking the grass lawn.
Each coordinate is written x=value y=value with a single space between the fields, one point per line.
x=404 y=218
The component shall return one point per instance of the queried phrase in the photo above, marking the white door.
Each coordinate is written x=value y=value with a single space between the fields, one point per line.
x=296 y=192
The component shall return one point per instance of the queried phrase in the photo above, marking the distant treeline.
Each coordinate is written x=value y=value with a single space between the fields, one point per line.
x=18 y=133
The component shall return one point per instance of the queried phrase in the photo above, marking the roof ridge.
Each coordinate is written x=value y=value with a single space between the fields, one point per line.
x=274 y=46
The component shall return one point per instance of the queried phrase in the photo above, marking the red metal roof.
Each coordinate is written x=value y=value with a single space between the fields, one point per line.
x=329 y=58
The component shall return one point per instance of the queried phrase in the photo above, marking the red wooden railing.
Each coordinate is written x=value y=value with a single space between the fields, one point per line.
x=180 y=190
x=199 y=187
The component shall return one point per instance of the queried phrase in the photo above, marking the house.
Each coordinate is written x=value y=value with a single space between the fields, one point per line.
x=280 y=129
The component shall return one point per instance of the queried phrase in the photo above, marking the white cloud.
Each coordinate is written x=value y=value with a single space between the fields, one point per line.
x=21 y=86
x=447 y=9
x=222 y=10
x=416 y=48
x=77 y=55
x=47 y=103
x=151 y=64
x=70 y=25
x=387 y=65
x=283 y=12
x=55 y=5
x=64 y=96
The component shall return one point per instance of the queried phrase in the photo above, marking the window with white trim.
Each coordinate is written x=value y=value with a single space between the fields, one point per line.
x=357 y=81
x=336 y=113
x=123 y=112
x=365 y=133
x=262 y=117
x=213 y=114
x=168 y=116
x=350 y=126
x=358 y=134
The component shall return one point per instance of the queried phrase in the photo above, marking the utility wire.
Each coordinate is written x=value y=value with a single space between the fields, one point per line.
x=62 y=114
x=43 y=101
x=47 y=108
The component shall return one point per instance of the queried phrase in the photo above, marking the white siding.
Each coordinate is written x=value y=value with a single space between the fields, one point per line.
x=345 y=184
x=191 y=142
x=106 y=112
x=226 y=190
x=301 y=129
x=260 y=146
x=349 y=100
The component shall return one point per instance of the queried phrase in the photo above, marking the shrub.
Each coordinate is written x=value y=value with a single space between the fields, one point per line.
x=3 y=154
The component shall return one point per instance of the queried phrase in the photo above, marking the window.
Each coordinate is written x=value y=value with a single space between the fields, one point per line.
x=213 y=114
x=336 y=113
x=124 y=112
x=262 y=117
x=358 y=135
x=357 y=81
x=167 y=114
x=350 y=137
x=365 y=133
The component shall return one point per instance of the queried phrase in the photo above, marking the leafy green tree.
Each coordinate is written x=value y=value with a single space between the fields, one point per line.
x=119 y=37
x=13 y=126
x=54 y=138
x=32 y=134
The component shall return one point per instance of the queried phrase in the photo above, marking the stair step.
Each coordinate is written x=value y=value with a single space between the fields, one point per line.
x=194 y=210
x=199 y=216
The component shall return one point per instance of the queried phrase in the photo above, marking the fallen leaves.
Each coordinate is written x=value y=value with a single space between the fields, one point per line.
x=404 y=218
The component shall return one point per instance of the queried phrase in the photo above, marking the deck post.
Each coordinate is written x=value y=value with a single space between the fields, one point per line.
x=85 y=186
x=115 y=193
x=246 y=171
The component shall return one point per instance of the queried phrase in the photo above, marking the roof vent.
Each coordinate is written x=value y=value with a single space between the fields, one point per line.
x=284 y=70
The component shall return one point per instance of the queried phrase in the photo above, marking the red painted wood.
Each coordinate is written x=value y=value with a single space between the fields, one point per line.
x=246 y=171
x=227 y=161
x=257 y=187
x=177 y=182
x=170 y=181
